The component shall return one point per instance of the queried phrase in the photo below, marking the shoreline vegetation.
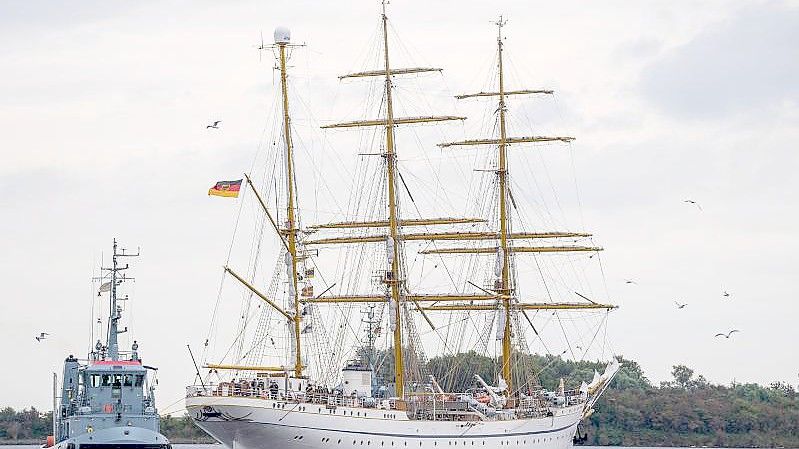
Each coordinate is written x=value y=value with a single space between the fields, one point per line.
x=685 y=411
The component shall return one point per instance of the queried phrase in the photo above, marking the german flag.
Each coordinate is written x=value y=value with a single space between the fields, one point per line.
x=226 y=188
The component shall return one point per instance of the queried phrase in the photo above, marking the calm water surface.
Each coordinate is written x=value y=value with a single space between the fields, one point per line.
x=217 y=446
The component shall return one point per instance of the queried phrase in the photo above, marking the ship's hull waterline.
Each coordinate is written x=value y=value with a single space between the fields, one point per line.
x=122 y=437
x=255 y=423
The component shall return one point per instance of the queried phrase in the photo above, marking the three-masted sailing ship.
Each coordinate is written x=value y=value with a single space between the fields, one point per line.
x=389 y=397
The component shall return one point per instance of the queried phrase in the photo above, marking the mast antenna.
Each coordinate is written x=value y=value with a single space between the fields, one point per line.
x=114 y=310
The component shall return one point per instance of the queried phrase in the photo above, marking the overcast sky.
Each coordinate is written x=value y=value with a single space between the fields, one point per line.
x=103 y=113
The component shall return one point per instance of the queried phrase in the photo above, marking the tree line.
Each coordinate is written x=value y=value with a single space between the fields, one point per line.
x=33 y=426
x=684 y=411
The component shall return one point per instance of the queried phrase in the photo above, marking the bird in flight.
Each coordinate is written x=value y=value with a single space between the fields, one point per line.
x=630 y=281
x=41 y=336
x=727 y=335
x=694 y=203
x=725 y=294
x=680 y=306
x=215 y=125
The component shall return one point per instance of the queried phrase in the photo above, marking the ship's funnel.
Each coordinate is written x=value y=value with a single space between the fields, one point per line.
x=282 y=35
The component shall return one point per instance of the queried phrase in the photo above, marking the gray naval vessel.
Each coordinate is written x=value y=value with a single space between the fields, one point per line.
x=108 y=400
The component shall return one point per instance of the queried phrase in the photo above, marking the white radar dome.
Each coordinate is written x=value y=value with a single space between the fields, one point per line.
x=282 y=35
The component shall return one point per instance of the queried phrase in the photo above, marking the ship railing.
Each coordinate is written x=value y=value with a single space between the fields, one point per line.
x=230 y=389
x=534 y=405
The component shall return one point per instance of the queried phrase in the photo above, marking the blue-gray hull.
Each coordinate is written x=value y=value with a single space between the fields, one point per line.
x=122 y=437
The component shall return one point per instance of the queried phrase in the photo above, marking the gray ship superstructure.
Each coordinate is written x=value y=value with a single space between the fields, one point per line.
x=108 y=400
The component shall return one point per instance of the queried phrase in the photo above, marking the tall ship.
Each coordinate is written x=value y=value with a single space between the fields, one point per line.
x=352 y=340
x=107 y=401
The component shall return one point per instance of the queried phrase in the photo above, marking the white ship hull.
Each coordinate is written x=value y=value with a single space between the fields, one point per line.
x=256 y=423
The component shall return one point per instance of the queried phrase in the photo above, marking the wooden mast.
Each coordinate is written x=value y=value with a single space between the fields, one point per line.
x=393 y=224
x=394 y=276
x=505 y=286
x=291 y=223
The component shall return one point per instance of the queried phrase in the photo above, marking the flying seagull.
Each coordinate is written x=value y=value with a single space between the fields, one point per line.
x=725 y=294
x=215 y=125
x=698 y=206
x=630 y=281
x=41 y=336
x=680 y=306
x=727 y=335
x=694 y=203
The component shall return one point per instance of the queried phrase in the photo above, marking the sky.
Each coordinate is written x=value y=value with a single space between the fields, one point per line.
x=104 y=107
